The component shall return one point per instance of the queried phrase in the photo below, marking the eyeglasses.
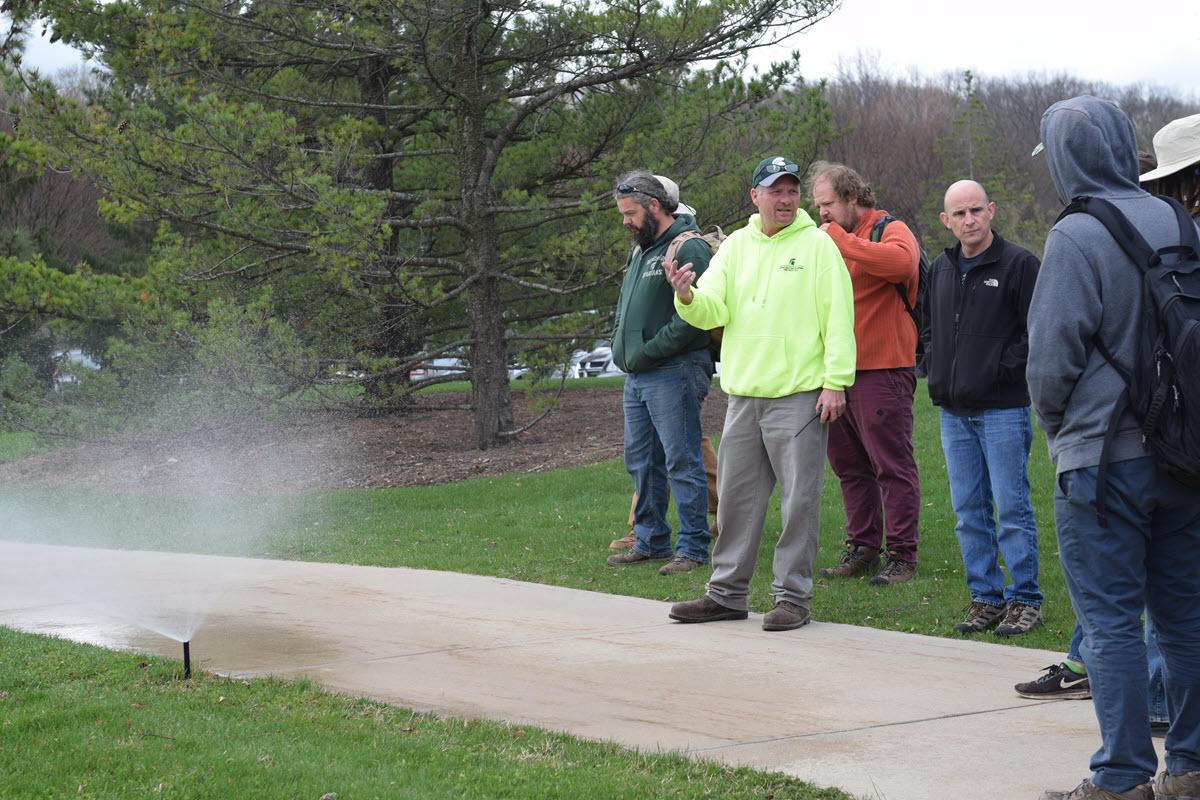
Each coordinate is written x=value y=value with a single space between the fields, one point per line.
x=625 y=188
x=771 y=168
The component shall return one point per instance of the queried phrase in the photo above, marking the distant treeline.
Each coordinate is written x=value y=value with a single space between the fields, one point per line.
x=911 y=137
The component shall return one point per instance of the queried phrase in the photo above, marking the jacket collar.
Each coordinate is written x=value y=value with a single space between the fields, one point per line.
x=989 y=256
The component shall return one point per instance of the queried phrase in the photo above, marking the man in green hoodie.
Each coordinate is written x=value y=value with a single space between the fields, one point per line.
x=669 y=370
x=781 y=290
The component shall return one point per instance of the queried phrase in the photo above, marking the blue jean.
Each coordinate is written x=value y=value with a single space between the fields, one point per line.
x=1073 y=652
x=662 y=443
x=1156 y=670
x=1146 y=559
x=1159 y=712
x=986 y=460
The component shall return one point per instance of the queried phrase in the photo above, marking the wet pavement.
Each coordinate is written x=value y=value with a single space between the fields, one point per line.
x=877 y=713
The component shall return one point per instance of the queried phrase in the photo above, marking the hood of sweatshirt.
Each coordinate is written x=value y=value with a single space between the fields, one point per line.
x=1090 y=149
x=802 y=222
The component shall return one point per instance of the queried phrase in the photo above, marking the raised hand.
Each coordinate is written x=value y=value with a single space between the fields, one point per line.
x=681 y=279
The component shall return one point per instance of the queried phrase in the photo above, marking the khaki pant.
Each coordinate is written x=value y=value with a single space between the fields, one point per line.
x=768 y=441
x=710 y=471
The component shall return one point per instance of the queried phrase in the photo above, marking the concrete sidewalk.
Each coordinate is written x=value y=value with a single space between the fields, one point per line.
x=879 y=714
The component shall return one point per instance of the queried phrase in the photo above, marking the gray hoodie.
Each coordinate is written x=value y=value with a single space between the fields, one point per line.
x=1087 y=288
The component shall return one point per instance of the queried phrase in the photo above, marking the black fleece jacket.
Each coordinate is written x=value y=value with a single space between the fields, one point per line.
x=977 y=338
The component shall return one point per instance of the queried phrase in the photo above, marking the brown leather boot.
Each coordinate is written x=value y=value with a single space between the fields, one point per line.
x=856 y=561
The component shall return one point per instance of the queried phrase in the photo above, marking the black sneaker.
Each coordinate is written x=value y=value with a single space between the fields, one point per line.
x=1059 y=682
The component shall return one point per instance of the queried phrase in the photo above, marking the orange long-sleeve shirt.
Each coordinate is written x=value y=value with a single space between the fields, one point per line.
x=883 y=331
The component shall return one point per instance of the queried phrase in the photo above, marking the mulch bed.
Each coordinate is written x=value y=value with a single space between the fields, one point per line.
x=432 y=444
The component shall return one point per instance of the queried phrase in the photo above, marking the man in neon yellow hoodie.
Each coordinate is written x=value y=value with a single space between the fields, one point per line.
x=781 y=290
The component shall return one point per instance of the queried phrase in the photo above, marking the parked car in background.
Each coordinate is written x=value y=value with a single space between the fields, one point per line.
x=598 y=362
x=437 y=367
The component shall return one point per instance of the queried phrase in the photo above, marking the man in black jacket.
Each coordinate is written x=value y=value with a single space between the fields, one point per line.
x=978 y=301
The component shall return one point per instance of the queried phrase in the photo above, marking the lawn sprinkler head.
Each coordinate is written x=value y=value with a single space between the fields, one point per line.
x=187 y=660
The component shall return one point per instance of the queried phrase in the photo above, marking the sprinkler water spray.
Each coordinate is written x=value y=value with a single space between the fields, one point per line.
x=187 y=660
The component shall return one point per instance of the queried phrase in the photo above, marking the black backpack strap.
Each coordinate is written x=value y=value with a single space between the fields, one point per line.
x=880 y=224
x=1118 y=225
x=1142 y=254
x=901 y=289
x=1188 y=239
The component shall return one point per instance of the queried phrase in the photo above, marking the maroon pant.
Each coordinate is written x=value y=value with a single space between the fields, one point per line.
x=870 y=449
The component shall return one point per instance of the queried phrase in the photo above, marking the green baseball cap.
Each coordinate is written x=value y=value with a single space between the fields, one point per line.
x=770 y=169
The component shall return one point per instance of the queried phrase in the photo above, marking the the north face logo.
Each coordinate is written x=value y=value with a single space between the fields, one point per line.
x=991 y=282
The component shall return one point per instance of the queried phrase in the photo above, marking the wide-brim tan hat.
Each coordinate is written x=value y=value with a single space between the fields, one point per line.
x=1176 y=145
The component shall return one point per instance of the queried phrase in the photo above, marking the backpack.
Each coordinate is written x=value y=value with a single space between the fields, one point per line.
x=713 y=237
x=1163 y=386
x=916 y=308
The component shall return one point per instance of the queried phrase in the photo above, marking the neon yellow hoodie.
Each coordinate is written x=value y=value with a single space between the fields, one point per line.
x=787 y=306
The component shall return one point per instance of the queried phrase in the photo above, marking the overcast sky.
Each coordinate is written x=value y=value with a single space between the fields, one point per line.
x=1091 y=39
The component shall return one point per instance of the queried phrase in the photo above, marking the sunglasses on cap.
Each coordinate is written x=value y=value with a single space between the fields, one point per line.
x=625 y=189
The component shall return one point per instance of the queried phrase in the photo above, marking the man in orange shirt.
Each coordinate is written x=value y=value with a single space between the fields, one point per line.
x=870 y=447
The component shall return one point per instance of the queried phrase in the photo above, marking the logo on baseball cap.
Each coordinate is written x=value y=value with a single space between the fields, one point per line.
x=771 y=169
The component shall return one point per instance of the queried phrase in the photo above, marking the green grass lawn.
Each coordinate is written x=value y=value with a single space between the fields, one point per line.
x=14 y=445
x=78 y=721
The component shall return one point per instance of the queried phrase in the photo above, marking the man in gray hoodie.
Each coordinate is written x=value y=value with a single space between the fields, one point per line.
x=1089 y=291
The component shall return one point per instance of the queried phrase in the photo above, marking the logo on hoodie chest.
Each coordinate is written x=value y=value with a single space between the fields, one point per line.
x=791 y=266
x=652 y=267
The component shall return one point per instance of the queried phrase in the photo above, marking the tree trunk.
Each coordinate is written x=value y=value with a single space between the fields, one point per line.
x=490 y=395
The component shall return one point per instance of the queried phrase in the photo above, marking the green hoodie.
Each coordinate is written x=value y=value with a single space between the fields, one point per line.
x=787 y=306
x=648 y=330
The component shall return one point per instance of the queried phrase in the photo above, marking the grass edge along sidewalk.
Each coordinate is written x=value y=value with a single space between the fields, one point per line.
x=80 y=721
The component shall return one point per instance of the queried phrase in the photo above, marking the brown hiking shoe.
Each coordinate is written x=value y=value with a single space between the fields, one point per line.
x=1089 y=791
x=1177 y=787
x=896 y=570
x=980 y=617
x=624 y=543
x=703 y=610
x=680 y=564
x=633 y=557
x=856 y=561
x=1019 y=619
x=785 y=616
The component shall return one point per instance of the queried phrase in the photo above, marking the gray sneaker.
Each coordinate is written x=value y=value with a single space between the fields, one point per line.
x=786 y=616
x=1088 y=791
x=980 y=617
x=680 y=564
x=1019 y=619
x=1185 y=786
